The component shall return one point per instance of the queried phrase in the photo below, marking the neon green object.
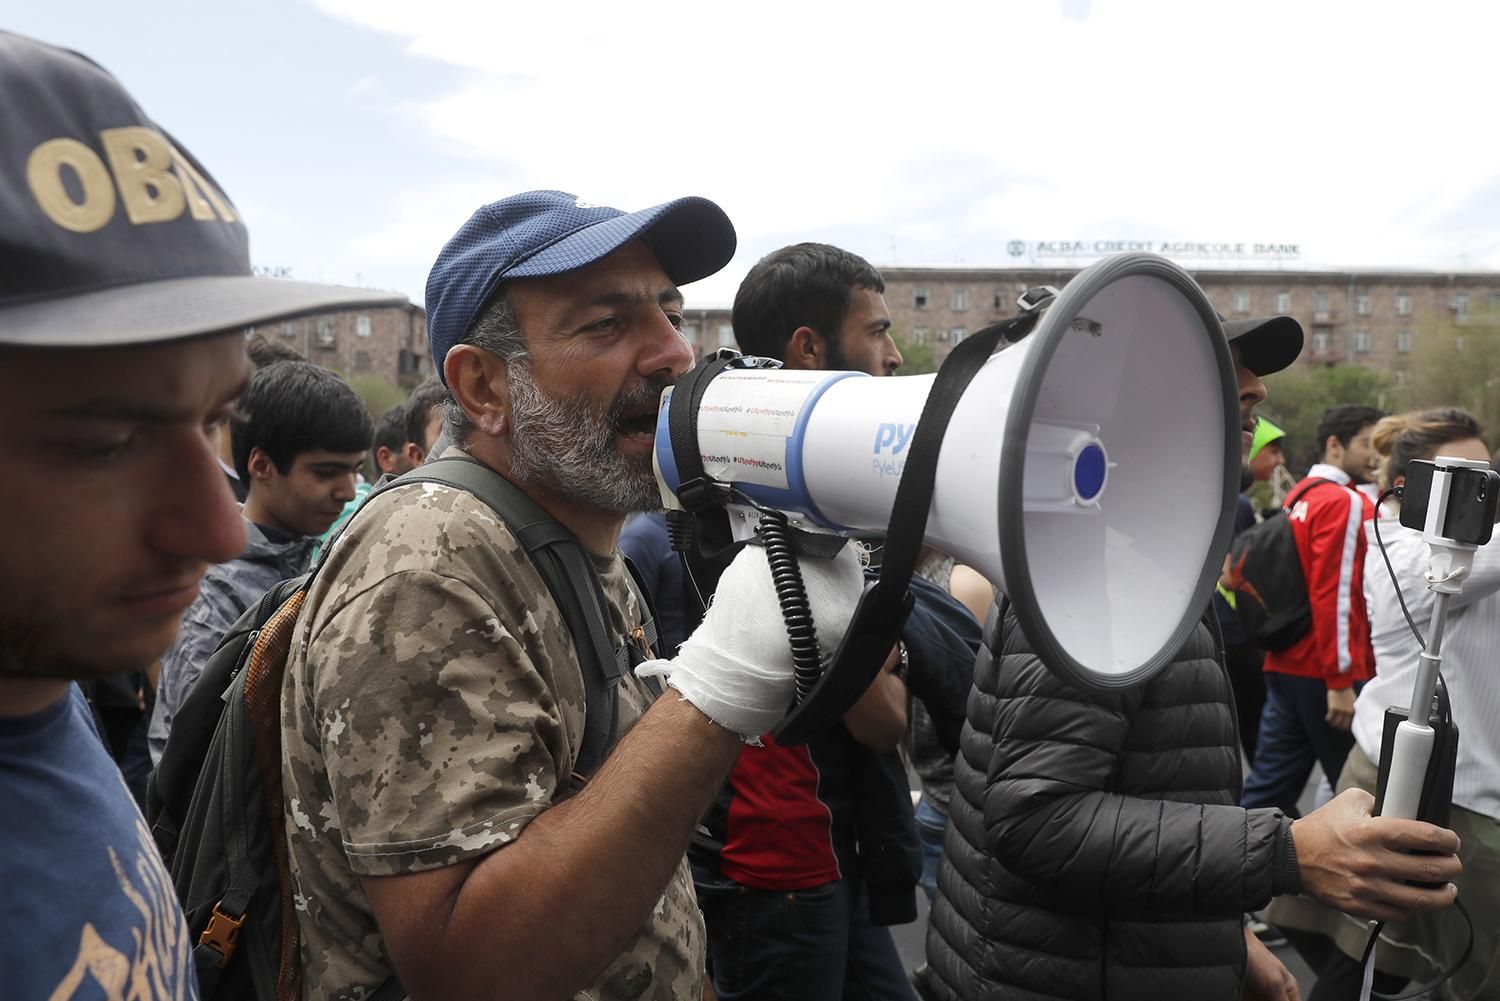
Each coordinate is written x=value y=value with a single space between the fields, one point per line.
x=1265 y=433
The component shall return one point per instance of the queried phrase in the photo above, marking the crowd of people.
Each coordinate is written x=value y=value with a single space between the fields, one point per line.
x=1325 y=696
x=443 y=831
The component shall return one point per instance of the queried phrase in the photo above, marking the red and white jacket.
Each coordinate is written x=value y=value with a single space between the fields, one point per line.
x=1328 y=524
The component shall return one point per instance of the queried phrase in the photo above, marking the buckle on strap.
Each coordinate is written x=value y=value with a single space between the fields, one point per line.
x=699 y=493
x=1035 y=298
x=222 y=934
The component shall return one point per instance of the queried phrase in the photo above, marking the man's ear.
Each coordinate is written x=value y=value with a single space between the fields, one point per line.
x=479 y=383
x=260 y=466
x=805 y=349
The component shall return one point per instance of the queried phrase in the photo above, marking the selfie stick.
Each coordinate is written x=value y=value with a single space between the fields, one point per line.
x=1407 y=754
x=1453 y=502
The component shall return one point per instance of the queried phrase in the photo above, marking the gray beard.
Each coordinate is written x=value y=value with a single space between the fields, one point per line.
x=567 y=446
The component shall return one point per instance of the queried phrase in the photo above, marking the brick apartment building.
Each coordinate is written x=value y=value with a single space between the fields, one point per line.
x=1369 y=318
x=392 y=342
x=389 y=342
x=707 y=329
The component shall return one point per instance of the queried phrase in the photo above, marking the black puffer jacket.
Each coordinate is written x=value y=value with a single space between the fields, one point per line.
x=1095 y=850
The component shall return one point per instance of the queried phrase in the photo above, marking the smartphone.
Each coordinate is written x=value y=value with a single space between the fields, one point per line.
x=1472 y=498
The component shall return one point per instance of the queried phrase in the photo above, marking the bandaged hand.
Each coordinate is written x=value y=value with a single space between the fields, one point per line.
x=736 y=668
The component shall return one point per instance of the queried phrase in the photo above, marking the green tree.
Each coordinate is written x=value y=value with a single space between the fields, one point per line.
x=1457 y=364
x=378 y=394
x=1297 y=397
x=918 y=359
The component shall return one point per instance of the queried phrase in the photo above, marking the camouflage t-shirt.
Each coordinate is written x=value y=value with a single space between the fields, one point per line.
x=433 y=706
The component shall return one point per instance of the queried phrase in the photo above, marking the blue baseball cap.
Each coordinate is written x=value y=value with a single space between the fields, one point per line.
x=540 y=233
x=111 y=232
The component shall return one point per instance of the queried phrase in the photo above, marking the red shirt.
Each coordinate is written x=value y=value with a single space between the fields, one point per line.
x=786 y=822
x=1328 y=524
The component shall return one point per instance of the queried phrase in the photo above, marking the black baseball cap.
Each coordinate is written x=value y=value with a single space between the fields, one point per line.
x=111 y=233
x=1267 y=343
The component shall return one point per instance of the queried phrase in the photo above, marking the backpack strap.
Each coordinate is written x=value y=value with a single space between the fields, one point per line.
x=174 y=780
x=216 y=945
x=1296 y=495
x=571 y=578
x=390 y=989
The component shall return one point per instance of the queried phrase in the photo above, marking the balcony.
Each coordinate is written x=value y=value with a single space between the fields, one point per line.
x=1325 y=353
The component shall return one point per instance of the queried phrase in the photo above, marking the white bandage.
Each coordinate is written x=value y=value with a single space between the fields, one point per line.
x=737 y=666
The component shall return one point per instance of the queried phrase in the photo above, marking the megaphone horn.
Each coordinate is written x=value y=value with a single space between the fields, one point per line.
x=1088 y=470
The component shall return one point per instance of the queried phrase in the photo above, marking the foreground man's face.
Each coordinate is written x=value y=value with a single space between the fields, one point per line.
x=114 y=503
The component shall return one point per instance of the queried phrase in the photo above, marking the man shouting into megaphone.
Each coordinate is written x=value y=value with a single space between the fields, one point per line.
x=442 y=825
x=1096 y=849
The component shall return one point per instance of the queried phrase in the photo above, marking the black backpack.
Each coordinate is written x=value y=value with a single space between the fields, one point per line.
x=215 y=799
x=1263 y=582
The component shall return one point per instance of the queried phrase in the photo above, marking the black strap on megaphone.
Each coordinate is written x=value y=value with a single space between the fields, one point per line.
x=695 y=491
x=701 y=532
x=886 y=601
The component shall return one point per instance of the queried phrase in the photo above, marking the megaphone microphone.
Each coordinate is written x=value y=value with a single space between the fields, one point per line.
x=1088 y=470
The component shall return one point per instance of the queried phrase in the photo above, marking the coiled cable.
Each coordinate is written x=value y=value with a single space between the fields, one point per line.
x=791 y=593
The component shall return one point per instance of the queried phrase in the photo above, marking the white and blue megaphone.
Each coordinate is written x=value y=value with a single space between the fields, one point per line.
x=1088 y=470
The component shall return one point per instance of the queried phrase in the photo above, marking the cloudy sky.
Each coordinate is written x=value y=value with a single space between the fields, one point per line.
x=356 y=135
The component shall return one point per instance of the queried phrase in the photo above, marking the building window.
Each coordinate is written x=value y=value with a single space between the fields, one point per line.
x=288 y=328
x=1403 y=341
x=325 y=333
x=1461 y=304
x=1494 y=301
x=1241 y=301
x=726 y=335
x=362 y=361
x=690 y=333
x=919 y=298
x=1320 y=305
x=1403 y=304
x=1362 y=305
x=959 y=333
x=1401 y=376
x=960 y=300
x=1320 y=342
x=1283 y=302
x=362 y=326
x=1361 y=342
x=1000 y=302
x=919 y=335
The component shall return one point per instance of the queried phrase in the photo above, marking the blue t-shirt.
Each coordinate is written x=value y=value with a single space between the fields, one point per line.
x=87 y=909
